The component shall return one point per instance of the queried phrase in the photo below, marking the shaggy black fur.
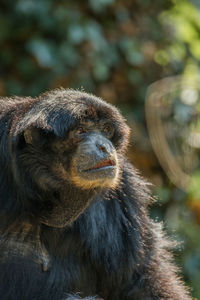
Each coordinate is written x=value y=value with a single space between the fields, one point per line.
x=109 y=248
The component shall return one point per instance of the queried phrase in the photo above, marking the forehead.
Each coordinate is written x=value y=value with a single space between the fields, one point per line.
x=78 y=105
x=70 y=108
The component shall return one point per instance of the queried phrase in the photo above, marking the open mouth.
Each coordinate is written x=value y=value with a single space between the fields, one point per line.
x=102 y=165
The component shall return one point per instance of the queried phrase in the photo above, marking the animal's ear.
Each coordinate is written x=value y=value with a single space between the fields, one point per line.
x=37 y=136
x=32 y=135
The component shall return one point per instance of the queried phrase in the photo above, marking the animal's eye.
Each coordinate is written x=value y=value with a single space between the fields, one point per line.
x=108 y=130
x=80 y=130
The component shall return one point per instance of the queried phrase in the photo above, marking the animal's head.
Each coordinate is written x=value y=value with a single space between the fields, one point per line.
x=66 y=140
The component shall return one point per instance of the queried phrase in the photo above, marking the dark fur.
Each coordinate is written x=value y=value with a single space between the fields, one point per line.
x=112 y=249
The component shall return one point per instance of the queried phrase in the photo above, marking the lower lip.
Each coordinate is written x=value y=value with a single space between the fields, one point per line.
x=101 y=169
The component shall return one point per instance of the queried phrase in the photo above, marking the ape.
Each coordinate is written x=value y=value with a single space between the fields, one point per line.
x=73 y=211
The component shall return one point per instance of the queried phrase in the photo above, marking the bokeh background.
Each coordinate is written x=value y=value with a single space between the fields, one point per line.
x=116 y=49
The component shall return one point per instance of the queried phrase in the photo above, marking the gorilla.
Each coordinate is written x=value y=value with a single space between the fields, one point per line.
x=74 y=220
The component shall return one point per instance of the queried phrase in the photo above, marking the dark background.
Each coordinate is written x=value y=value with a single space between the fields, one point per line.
x=116 y=49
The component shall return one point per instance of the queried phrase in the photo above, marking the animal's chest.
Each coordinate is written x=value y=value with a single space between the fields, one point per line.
x=78 y=270
x=93 y=263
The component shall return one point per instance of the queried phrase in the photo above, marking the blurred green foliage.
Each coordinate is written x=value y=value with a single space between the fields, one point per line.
x=115 y=49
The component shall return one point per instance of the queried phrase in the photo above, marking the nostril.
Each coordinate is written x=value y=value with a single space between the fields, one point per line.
x=102 y=148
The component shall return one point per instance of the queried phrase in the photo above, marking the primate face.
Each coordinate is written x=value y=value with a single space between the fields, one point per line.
x=86 y=157
x=93 y=157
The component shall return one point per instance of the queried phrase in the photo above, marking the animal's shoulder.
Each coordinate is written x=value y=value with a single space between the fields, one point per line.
x=23 y=241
